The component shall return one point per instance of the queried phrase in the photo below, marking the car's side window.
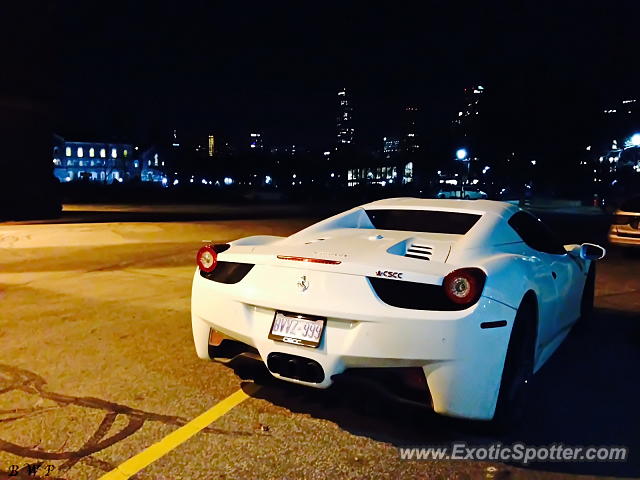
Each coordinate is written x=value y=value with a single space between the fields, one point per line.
x=535 y=233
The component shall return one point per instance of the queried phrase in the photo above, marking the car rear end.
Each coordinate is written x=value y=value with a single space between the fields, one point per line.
x=318 y=306
x=625 y=227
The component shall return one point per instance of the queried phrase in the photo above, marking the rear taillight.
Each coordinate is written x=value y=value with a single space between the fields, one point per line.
x=621 y=219
x=207 y=258
x=464 y=286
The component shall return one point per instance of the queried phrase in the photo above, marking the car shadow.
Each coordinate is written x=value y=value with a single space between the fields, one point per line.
x=585 y=395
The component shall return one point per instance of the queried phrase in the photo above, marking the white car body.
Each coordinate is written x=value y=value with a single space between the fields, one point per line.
x=462 y=362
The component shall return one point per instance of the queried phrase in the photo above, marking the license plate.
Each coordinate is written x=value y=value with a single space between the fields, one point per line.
x=305 y=330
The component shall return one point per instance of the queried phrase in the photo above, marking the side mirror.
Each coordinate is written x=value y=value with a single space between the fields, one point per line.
x=591 y=251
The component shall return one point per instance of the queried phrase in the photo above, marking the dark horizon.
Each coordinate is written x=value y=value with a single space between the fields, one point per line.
x=138 y=71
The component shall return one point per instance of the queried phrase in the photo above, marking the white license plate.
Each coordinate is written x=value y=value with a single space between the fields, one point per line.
x=297 y=329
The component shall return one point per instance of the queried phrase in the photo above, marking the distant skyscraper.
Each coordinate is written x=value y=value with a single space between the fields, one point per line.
x=256 y=141
x=390 y=146
x=620 y=120
x=211 y=145
x=344 y=120
x=410 y=142
x=469 y=114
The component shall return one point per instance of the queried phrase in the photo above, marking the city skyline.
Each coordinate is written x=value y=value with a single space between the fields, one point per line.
x=165 y=67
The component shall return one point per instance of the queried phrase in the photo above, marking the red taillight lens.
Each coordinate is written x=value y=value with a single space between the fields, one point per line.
x=207 y=258
x=464 y=286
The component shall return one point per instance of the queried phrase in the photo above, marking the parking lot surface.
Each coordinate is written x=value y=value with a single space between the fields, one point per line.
x=97 y=364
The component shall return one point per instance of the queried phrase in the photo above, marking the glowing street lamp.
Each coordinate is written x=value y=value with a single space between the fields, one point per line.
x=635 y=139
x=461 y=156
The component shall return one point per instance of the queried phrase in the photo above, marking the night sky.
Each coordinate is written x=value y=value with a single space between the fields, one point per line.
x=140 y=69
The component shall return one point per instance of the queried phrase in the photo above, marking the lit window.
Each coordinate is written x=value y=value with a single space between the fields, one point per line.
x=114 y=153
x=103 y=153
x=92 y=152
x=80 y=152
x=135 y=164
x=67 y=151
x=125 y=153
x=81 y=163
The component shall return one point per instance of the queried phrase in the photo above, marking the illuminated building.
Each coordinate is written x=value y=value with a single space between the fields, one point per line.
x=102 y=162
x=410 y=137
x=211 y=145
x=380 y=175
x=344 y=121
x=619 y=121
x=469 y=116
x=390 y=146
x=256 y=142
x=614 y=149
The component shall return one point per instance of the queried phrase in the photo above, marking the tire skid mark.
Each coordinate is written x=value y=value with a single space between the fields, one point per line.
x=106 y=424
x=18 y=379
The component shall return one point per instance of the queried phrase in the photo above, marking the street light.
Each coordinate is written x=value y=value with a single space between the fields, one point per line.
x=461 y=156
x=635 y=139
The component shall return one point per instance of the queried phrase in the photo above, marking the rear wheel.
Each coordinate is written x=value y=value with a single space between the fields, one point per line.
x=518 y=368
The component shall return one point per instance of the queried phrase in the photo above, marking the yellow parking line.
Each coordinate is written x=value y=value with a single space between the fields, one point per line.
x=154 y=452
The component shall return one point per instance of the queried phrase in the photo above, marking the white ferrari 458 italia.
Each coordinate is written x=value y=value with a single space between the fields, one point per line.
x=456 y=303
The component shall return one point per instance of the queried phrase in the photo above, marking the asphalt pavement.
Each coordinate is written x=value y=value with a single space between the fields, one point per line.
x=97 y=364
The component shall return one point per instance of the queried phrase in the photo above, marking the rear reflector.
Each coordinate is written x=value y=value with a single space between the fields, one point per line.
x=311 y=260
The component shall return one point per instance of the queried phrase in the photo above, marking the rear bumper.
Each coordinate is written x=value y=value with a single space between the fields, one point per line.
x=462 y=362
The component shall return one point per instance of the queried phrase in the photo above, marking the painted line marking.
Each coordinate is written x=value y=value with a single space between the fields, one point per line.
x=136 y=463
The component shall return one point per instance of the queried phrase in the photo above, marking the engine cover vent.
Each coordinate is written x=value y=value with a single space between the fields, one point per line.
x=421 y=252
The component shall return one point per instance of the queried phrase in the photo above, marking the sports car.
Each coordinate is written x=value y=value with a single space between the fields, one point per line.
x=458 y=302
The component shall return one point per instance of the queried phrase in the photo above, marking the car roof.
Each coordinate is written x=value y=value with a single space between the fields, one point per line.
x=500 y=209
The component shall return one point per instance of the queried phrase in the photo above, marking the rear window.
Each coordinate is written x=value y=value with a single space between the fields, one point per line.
x=431 y=221
x=631 y=205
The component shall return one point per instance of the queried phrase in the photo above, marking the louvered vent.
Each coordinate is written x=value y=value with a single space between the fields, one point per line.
x=416 y=250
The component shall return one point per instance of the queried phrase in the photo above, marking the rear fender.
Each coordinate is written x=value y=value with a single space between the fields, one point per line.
x=509 y=277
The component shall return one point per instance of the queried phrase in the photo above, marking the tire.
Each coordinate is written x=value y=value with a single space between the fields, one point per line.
x=518 y=368
x=588 y=295
x=466 y=197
